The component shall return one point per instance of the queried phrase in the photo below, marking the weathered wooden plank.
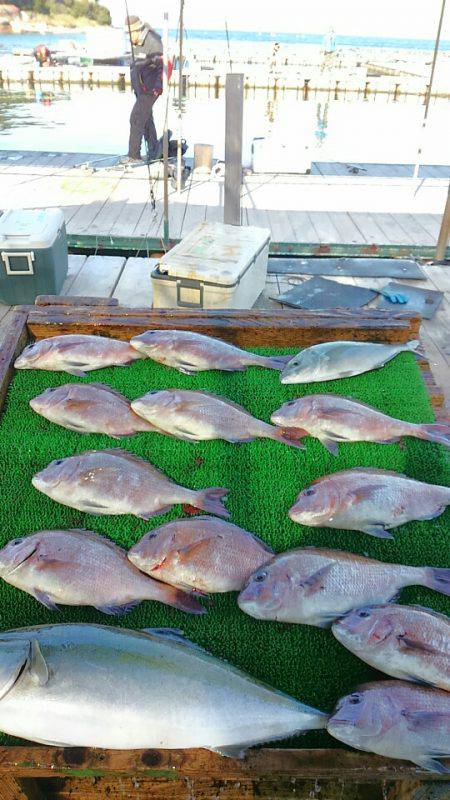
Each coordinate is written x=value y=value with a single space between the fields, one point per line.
x=20 y=789
x=370 y=231
x=134 y=287
x=76 y=262
x=98 y=276
x=392 y=229
x=37 y=761
x=13 y=342
x=247 y=328
x=324 y=226
x=67 y=300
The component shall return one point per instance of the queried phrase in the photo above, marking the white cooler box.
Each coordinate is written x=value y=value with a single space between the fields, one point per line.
x=214 y=266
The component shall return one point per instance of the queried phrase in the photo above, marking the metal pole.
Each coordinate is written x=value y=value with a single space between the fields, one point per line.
x=234 y=102
x=180 y=98
x=444 y=233
x=165 y=133
x=429 y=90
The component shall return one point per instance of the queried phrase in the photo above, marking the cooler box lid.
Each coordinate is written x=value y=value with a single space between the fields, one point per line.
x=28 y=229
x=215 y=253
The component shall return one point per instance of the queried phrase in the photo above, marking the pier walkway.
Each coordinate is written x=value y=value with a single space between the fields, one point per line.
x=340 y=208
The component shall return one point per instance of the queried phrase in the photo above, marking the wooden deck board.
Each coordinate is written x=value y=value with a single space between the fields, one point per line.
x=98 y=276
x=134 y=287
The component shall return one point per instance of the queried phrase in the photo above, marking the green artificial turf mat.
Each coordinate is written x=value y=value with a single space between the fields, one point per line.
x=264 y=478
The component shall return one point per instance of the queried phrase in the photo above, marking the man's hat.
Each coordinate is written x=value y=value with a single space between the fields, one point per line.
x=134 y=24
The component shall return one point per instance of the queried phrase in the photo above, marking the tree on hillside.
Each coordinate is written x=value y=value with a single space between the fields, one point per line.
x=75 y=8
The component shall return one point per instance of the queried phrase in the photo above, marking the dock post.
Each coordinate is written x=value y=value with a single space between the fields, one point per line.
x=1 y=79
x=31 y=78
x=166 y=234
x=444 y=233
x=234 y=106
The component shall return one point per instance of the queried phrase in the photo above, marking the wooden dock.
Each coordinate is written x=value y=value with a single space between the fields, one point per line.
x=129 y=280
x=339 y=209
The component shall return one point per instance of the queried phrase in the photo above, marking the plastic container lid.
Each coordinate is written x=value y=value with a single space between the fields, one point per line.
x=215 y=253
x=24 y=228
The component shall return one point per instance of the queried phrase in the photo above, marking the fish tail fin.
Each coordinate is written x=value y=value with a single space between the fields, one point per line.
x=435 y=432
x=275 y=362
x=437 y=578
x=415 y=348
x=291 y=436
x=211 y=500
x=412 y=345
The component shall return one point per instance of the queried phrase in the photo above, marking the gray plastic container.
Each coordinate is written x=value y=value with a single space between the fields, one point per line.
x=33 y=254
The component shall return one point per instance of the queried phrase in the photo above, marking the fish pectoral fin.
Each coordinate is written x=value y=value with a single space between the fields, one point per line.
x=43 y=598
x=37 y=667
x=193 y=550
x=231 y=750
x=14 y=655
x=364 y=492
x=330 y=445
x=123 y=608
x=77 y=372
x=315 y=582
x=88 y=505
x=408 y=642
x=182 y=433
x=378 y=530
x=150 y=514
x=431 y=764
x=424 y=720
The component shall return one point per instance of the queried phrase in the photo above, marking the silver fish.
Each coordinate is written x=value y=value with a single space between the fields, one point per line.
x=118 y=482
x=201 y=416
x=333 y=360
x=407 y=642
x=97 y=686
x=80 y=568
x=201 y=553
x=398 y=720
x=333 y=419
x=191 y=352
x=90 y=408
x=314 y=585
x=76 y=354
x=368 y=500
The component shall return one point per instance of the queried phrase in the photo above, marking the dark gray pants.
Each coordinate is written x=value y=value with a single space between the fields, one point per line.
x=142 y=125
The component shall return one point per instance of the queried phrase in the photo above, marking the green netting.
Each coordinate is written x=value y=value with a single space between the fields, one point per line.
x=264 y=478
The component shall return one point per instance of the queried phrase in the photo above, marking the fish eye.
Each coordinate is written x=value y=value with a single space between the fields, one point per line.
x=260 y=577
x=363 y=614
x=16 y=541
x=291 y=403
x=354 y=699
x=57 y=463
x=309 y=491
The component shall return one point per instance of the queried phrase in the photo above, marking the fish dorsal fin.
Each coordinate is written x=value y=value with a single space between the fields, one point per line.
x=125 y=454
x=14 y=655
x=37 y=665
x=227 y=401
x=95 y=537
x=362 y=471
x=196 y=395
x=103 y=387
x=174 y=635
x=430 y=611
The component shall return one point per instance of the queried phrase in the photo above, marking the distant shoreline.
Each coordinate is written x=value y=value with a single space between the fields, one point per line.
x=250 y=37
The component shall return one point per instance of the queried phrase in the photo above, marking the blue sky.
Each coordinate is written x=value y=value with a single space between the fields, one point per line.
x=396 y=18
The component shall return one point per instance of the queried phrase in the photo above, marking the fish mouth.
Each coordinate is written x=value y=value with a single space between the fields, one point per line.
x=21 y=563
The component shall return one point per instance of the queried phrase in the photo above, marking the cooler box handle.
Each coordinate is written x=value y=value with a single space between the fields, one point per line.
x=6 y=258
x=188 y=283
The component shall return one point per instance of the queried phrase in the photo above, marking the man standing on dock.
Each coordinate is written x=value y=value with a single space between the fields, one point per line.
x=147 y=82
